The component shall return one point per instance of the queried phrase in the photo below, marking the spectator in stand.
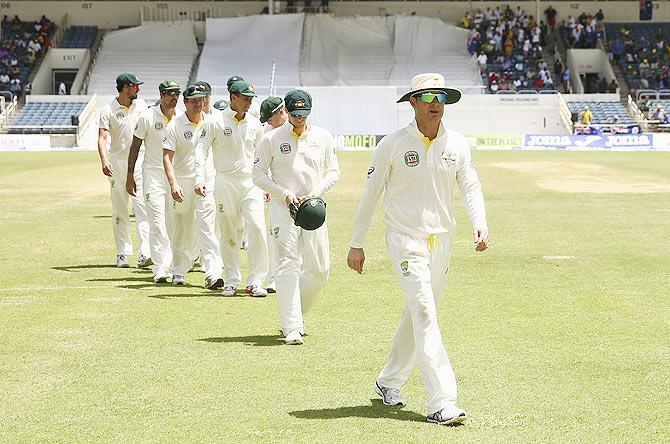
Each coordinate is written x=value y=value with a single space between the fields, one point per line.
x=612 y=87
x=482 y=59
x=62 y=91
x=586 y=116
x=550 y=13
x=599 y=15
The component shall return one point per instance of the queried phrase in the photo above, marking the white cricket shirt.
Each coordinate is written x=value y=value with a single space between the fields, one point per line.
x=232 y=144
x=418 y=177
x=305 y=165
x=120 y=122
x=151 y=126
x=182 y=136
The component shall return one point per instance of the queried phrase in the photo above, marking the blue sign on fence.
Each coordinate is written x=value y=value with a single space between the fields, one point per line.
x=588 y=142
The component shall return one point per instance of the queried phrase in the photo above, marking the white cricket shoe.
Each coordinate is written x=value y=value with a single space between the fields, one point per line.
x=256 y=291
x=178 y=279
x=144 y=261
x=212 y=283
x=161 y=278
x=122 y=261
x=448 y=416
x=390 y=396
x=229 y=290
x=294 y=338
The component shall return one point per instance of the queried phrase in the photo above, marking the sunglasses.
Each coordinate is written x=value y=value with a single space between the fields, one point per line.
x=428 y=97
x=172 y=92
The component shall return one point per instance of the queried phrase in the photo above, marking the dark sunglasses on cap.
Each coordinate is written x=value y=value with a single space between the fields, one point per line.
x=172 y=92
x=428 y=97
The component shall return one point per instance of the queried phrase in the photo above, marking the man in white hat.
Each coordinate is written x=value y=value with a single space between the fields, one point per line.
x=423 y=159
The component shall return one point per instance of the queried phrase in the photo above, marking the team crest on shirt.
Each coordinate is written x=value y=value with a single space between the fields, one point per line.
x=188 y=135
x=411 y=158
x=227 y=131
x=449 y=158
x=285 y=148
x=404 y=266
x=203 y=133
x=158 y=126
x=119 y=115
x=275 y=233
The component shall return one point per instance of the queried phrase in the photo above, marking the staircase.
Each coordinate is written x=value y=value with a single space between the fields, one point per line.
x=624 y=91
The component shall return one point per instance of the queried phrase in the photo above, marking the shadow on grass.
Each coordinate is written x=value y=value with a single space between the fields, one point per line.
x=376 y=409
x=208 y=294
x=127 y=279
x=256 y=341
x=74 y=268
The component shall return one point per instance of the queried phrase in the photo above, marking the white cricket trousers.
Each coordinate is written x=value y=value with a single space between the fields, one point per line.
x=157 y=200
x=422 y=272
x=240 y=204
x=303 y=261
x=193 y=227
x=120 y=217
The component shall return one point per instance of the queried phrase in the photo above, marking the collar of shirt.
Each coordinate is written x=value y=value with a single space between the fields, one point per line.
x=117 y=105
x=186 y=121
x=413 y=130
x=159 y=112
x=232 y=113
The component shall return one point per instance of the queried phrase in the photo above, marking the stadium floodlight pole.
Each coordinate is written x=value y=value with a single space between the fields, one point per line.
x=272 y=77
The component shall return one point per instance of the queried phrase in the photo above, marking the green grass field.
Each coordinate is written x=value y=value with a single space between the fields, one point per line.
x=559 y=333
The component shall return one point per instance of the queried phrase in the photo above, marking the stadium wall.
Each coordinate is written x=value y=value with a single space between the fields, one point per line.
x=112 y=14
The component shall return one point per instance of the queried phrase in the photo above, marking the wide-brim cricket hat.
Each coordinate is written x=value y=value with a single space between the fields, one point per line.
x=431 y=81
x=310 y=214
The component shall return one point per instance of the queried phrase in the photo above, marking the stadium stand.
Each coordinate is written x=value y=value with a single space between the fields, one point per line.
x=47 y=117
x=79 y=37
x=508 y=45
x=642 y=52
x=154 y=52
x=21 y=47
x=583 y=32
x=603 y=112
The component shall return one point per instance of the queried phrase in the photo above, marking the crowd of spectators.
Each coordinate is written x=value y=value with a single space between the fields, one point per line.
x=508 y=44
x=644 y=61
x=583 y=32
x=21 y=45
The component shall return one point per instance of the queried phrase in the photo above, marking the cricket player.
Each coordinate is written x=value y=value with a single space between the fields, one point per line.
x=273 y=115
x=294 y=161
x=233 y=139
x=150 y=129
x=254 y=108
x=193 y=212
x=118 y=120
x=423 y=159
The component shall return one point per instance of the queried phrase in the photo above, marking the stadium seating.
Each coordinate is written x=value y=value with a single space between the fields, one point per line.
x=154 y=52
x=79 y=37
x=603 y=112
x=21 y=47
x=632 y=44
x=46 y=117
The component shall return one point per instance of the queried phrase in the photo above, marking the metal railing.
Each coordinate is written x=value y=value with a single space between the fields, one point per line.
x=565 y=114
x=8 y=111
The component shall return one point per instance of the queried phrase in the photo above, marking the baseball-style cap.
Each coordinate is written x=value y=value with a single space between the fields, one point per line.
x=242 y=87
x=206 y=87
x=232 y=80
x=127 y=78
x=169 y=85
x=194 y=92
x=221 y=104
x=269 y=107
x=298 y=103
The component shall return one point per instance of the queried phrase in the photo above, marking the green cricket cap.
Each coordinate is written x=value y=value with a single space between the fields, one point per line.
x=232 y=80
x=242 y=87
x=127 y=78
x=269 y=107
x=194 y=92
x=298 y=103
x=205 y=86
x=169 y=85
x=221 y=104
